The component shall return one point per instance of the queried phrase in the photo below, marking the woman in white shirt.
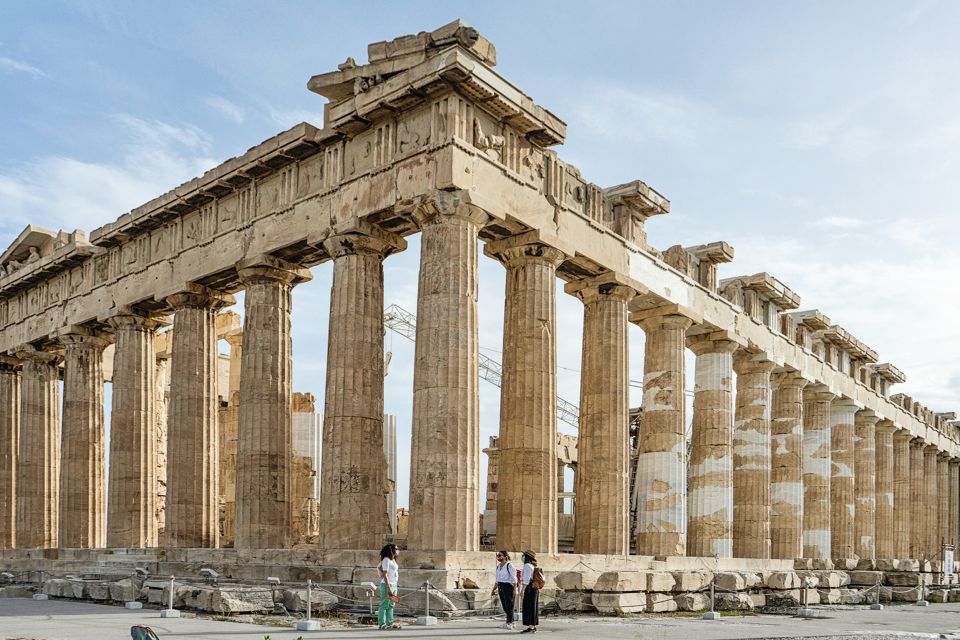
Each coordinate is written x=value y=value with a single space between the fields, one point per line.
x=389 y=572
x=506 y=586
x=529 y=595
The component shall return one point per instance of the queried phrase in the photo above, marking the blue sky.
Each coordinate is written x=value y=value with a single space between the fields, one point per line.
x=820 y=139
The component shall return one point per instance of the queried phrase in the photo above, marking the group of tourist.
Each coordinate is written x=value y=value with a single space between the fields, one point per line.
x=510 y=583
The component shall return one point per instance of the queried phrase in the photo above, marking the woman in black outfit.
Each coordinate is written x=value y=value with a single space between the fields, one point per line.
x=531 y=596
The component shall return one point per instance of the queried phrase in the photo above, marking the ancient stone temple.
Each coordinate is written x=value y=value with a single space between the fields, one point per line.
x=798 y=448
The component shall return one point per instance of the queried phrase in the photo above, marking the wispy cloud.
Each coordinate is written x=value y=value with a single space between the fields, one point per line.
x=74 y=193
x=226 y=108
x=839 y=222
x=9 y=64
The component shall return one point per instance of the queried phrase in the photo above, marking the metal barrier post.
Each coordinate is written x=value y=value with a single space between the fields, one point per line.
x=426 y=618
x=922 y=602
x=170 y=612
x=876 y=606
x=40 y=595
x=712 y=614
x=309 y=624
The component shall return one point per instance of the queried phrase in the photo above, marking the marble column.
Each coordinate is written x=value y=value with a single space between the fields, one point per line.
x=954 y=514
x=193 y=437
x=943 y=492
x=265 y=424
x=662 y=469
x=9 y=444
x=931 y=494
x=83 y=506
x=445 y=445
x=527 y=502
x=885 y=477
x=865 y=489
x=918 y=499
x=710 y=470
x=603 y=449
x=38 y=468
x=353 y=481
x=842 y=499
x=786 y=465
x=228 y=443
x=816 y=471
x=752 y=453
x=902 y=495
x=132 y=482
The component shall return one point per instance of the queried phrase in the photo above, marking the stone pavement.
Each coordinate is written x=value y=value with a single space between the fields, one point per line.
x=56 y=620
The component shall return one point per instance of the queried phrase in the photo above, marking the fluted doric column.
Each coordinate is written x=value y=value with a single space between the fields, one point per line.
x=918 y=498
x=38 y=463
x=527 y=504
x=786 y=466
x=816 y=471
x=265 y=424
x=954 y=527
x=132 y=482
x=884 y=524
x=353 y=483
x=710 y=470
x=902 y=495
x=661 y=467
x=193 y=436
x=228 y=443
x=943 y=493
x=445 y=445
x=603 y=449
x=865 y=489
x=931 y=495
x=842 y=502
x=83 y=497
x=9 y=444
x=752 y=456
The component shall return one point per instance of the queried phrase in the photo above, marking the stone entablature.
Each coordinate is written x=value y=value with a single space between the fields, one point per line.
x=764 y=298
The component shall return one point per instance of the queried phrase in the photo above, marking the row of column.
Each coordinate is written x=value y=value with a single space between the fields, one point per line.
x=780 y=469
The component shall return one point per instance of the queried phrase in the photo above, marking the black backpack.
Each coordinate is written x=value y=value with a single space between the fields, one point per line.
x=142 y=632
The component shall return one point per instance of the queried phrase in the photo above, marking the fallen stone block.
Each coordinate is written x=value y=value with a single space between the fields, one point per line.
x=937 y=595
x=617 y=581
x=829 y=596
x=730 y=581
x=803 y=564
x=241 y=600
x=78 y=590
x=55 y=587
x=908 y=564
x=845 y=564
x=954 y=595
x=752 y=580
x=733 y=602
x=903 y=579
x=886 y=564
x=620 y=603
x=660 y=603
x=786 y=598
x=783 y=580
x=865 y=578
x=16 y=591
x=578 y=601
x=692 y=602
x=810 y=579
x=866 y=564
x=659 y=581
x=439 y=602
x=123 y=591
x=577 y=580
x=99 y=591
x=320 y=600
x=691 y=580
x=902 y=594
x=759 y=599
x=852 y=596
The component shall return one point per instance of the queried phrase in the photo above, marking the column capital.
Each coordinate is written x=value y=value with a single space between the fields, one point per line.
x=605 y=286
x=125 y=317
x=265 y=268
x=234 y=338
x=195 y=296
x=665 y=316
x=845 y=403
x=866 y=416
x=715 y=342
x=443 y=206
x=10 y=364
x=371 y=241
x=818 y=393
x=523 y=248
x=945 y=455
x=29 y=353
x=77 y=336
x=954 y=461
x=885 y=426
x=931 y=449
x=745 y=361
x=788 y=378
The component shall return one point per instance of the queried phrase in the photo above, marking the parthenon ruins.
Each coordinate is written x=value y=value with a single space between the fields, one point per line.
x=798 y=456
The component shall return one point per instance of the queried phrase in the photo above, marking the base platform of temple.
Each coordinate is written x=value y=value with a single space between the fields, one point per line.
x=248 y=581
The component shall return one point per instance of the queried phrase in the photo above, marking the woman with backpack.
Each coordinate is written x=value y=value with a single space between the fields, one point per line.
x=531 y=581
x=506 y=586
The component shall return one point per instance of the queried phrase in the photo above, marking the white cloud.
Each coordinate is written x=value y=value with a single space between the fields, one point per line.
x=642 y=115
x=58 y=191
x=840 y=222
x=9 y=64
x=226 y=108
